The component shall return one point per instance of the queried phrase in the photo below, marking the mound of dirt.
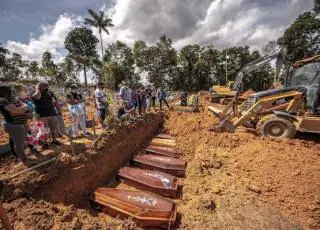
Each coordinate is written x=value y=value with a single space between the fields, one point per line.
x=241 y=180
x=43 y=215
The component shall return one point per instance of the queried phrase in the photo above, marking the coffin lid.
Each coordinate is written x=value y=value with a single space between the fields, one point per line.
x=137 y=203
x=164 y=136
x=150 y=177
x=160 y=143
x=161 y=161
x=165 y=141
x=161 y=150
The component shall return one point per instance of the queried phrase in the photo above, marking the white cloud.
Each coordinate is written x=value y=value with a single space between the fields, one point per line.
x=52 y=39
x=216 y=22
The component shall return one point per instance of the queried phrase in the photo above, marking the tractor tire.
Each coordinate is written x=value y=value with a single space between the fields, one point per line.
x=276 y=127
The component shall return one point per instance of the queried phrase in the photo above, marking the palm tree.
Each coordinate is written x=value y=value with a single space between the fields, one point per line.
x=101 y=21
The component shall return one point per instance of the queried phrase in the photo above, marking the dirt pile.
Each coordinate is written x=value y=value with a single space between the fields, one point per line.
x=241 y=180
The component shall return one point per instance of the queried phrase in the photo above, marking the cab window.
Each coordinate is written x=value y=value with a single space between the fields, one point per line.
x=305 y=75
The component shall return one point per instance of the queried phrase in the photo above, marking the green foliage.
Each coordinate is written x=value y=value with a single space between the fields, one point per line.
x=302 y=38
x=100 y=21
x=49 y=68
x=200 y=67
x=81 y=44
x=157 y=61
x=3 y=53
x=316 y=6
x=12 y=66
x=33 y=69
x=118 y=65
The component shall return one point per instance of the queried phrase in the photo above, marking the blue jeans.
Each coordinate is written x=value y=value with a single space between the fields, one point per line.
x=101 y=113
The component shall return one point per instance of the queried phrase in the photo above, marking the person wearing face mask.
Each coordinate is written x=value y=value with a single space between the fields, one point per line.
x=15 y=116
x=75 y=104
x=44 y=100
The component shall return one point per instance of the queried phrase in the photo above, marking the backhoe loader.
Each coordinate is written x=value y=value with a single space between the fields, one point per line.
x=222 y=94
x=278 y=113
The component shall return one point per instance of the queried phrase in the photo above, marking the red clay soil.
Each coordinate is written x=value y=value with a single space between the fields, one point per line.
x=57 y=196
x=233 y=181
x=243 y=181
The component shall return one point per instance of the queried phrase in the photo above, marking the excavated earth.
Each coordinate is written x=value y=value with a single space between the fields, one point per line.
x=233 y=181
x=242 y=181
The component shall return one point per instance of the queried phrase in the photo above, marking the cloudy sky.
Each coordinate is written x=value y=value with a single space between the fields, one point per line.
x=31 y=27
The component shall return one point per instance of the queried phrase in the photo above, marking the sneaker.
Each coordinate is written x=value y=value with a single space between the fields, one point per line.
x=86 y=134
x=45 y=146
x=34 y=151
x=28 y=162
x=58 y=143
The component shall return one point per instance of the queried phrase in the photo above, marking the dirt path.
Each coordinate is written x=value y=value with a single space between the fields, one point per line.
x=244 y=181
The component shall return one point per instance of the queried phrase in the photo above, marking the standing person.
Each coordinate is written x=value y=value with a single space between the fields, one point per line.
x=134 y=99
x=75 y=101
x=101 y=104
x=148 y=97
x=44 y=101
x=153 y=95
x=15 y=116
x=61 y=127
x=125 y=93
x=162 y=97
x=142 y=100
x=183 y=98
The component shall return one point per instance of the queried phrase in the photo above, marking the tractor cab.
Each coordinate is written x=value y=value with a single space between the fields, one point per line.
x=302 y=78
x=307 y=76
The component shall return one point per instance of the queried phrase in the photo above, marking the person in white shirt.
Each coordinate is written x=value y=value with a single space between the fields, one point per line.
x=101 y=103
x=125 y=93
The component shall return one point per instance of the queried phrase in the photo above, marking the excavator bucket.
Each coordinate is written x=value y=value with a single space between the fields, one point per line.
x=215 y=110
x=225 y=125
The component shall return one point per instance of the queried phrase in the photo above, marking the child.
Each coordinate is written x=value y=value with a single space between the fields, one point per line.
x=37 y=136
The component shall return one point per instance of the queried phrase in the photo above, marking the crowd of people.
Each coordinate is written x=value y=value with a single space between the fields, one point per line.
x=40 y=105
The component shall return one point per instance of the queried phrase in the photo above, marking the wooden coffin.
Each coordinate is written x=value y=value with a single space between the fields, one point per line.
x=168 y=165
x=163 y=151
x=163 y=142
x=164 y=136
x=145 y=208
x=149 y=180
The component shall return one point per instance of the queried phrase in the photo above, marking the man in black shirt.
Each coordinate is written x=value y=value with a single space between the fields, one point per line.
x=43 y=100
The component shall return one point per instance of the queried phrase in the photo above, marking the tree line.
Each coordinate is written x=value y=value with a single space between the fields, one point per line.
x=192 y=68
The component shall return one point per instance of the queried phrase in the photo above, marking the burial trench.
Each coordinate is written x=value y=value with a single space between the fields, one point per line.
x=72 y=182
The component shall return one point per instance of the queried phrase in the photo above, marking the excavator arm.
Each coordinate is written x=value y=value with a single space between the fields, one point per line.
x=231 y=109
